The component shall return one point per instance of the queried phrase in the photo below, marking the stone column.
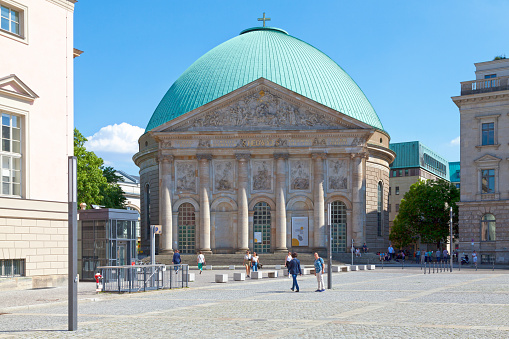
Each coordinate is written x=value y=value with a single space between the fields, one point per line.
x=358 y=199
x=281 y=202
x=204 y=160
x=165 y=209
x=243 y=208
x=319 y=203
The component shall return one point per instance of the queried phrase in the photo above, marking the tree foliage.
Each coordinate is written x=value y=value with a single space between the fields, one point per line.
x=424 y=213
x=97 y=185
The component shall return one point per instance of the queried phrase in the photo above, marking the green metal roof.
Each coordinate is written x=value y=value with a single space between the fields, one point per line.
x=454 y=171
x=275 y=55
x=415 y=154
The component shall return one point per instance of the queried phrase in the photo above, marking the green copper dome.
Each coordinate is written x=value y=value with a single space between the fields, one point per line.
x=274 y=55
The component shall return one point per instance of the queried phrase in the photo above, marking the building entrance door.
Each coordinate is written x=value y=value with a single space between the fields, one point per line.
x=338 y=220
x=121 y=253
x=261 y=228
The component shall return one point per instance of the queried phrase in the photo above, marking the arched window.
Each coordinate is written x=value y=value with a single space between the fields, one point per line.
x=338 y=220
x=488 y=227
x=261 y=228
x=380 y=208
x=147 y=210
x=187 y=228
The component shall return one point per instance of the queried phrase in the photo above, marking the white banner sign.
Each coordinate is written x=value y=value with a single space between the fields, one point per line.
x=300 y=231
x=258 y=237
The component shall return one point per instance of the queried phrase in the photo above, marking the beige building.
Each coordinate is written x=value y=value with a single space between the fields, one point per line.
x=484 y=206
x=252 y=142
x=36 y=108
x=414 y=162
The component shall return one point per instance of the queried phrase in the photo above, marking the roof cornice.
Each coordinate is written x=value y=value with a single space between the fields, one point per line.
x=461 y=99
x=65 y=4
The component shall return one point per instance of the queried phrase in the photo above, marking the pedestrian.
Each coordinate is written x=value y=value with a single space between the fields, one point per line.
x=254 y=261
x=391 y=252
x=365 y=248
x=426 y=256
x=474 y=259
x=319 y=266
x=294 y=269
x=247 y=263
x=201 y=261
x=287 y=262
x=445 y=254
x=176 y=261
x=357 y=252
x=439 y=255
x=417 y=256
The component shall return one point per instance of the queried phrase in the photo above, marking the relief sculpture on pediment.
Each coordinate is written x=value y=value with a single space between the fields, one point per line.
x=185 y=175
x=223 y=175
x=262 y=110
x=262 y=175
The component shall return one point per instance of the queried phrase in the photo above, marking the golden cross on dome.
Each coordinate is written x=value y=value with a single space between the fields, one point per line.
x=264 y=19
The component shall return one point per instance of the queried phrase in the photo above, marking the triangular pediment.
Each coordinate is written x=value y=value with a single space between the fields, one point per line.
x=12 y=86
x=261 y=105
x=487 y=159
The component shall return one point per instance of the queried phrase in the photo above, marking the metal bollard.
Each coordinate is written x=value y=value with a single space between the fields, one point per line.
x=423 y=264
x=493 y=261
x=402 y=264
x=429 y=268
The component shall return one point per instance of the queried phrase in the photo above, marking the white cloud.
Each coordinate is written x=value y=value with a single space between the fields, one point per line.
x=455 y=141
x=122 y=138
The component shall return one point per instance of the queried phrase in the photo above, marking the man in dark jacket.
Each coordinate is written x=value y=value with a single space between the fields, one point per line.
x=176 y=260
x=294 y=269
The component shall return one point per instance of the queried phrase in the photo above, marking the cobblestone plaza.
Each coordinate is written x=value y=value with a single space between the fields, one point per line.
x=385 y=303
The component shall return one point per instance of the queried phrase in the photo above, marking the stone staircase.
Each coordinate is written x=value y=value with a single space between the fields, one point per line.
x=268 y=259
x=365 y=259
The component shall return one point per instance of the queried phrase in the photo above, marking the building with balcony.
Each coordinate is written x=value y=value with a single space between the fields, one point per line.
x=414 y=161
x=484 y=149
x=36 y=108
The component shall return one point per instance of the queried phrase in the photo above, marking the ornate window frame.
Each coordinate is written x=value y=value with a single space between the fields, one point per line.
x=484 y=119
x=487 y=162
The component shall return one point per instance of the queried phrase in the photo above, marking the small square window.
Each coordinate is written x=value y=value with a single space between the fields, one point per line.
x=489 y=76
x=406 y=173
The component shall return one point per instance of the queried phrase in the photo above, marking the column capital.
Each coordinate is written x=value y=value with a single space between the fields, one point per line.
x=283 y=156
x=164 y=157
x=319 y=155
x=243 y=156
x=206 y=156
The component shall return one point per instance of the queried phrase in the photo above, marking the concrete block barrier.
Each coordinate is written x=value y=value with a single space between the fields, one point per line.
x=239 y=276
x=256 y=275
x=221 y=278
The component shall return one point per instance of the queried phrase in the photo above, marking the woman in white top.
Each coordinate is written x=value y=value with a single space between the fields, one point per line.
x=287 y=262
x=247 y=263
x=255 y=262
x=201 y=261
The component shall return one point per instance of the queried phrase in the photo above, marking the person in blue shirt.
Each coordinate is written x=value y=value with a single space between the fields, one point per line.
x=176 y=260
x=319 y=273
x=294 y=269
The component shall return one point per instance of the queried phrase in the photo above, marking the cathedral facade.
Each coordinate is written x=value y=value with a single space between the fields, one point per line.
x=238 y=157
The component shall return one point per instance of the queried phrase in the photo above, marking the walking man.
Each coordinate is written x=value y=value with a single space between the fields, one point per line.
x=201 y=261
x=319 y=272
x=176 y=260
x=391 y=252
x=294 y=269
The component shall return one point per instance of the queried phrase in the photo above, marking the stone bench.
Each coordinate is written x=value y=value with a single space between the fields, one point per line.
x=272 y=274
x=285 y=272
x=232 y=267
x=336 y=269
x=208 y=267
x=221 y=278
x=354 y=268
x=307 y=271
x=190 y=277
x=239 y=276
x=371 y=267
x=363 y=267
x=277 y=267
x=256 y=275
x=345 y=268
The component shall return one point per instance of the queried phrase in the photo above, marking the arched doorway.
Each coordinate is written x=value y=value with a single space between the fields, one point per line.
x=338 y=220
x=261 y=228
x=187 y=228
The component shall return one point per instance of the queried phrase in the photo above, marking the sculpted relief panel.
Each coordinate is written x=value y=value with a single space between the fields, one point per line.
x=262 y=109
x=261 y=175
x=337 y=170
x=300 y=175
x=224 y=175
x=185 y=176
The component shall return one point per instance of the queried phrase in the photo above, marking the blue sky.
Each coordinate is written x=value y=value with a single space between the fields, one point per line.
x=407 y=56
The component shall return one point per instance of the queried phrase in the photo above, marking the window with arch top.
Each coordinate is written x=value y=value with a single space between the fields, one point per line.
x=488 y=227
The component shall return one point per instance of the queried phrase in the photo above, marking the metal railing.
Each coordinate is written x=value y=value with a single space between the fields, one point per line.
x=139 y=278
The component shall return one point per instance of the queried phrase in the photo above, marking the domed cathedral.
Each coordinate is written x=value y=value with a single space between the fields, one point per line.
x=250 y=145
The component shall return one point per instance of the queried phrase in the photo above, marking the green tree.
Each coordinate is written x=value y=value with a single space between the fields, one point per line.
x=401 y=235
x=89 y=174
x=97 y=185
x=424 y=212
x=113 y=196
